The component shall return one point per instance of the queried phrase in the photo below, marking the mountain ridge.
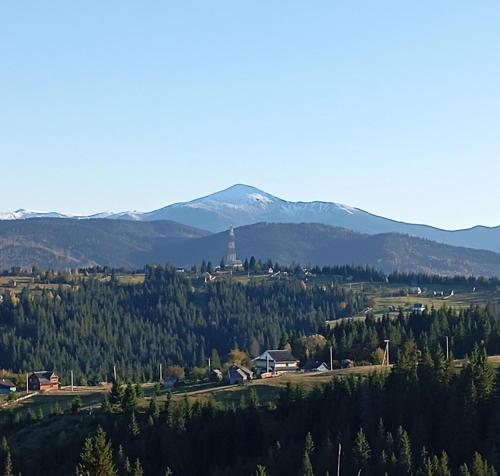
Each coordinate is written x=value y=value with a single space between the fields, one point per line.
x=241 y=205
x=60 y=243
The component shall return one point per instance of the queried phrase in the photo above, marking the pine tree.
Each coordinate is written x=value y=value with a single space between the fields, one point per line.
x=306 y=468
x=106 y=404
x=261 y=471
x=464 y=471
x=153 y=409
x=129 y=401
x=133 y=427
x=362 y=451
x=76 y=404
x=116 y=395
x=8 y=468
x=404 y=451
x=138 y=471
x=96 y=457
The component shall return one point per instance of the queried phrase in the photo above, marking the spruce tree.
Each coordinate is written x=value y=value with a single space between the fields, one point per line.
x=306 y=468
x=97 y=456
x=361 y=451
x=133 y=427
x=138 y=471
x=8 y=468
x=261 y=471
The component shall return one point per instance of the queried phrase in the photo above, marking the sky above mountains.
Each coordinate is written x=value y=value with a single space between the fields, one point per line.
x=388 y=106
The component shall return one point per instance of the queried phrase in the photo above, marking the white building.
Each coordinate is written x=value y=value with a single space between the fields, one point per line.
x=276 y=361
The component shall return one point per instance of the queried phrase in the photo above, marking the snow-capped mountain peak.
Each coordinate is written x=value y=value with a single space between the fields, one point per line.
x=23 y=214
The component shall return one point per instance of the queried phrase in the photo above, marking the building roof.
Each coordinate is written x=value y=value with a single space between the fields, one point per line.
x=243 y=371
x=44 y=376
x=314 y=364
x=281 y=356
x=6 y=383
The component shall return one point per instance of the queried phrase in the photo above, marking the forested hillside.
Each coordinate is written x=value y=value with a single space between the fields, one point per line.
x=96 y=325
x=316 y=244
x=51 y=243
x=172 y=319
x=421 y=420
x=56 y=243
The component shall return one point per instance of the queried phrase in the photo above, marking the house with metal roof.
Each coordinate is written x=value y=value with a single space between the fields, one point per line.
x=276 y=361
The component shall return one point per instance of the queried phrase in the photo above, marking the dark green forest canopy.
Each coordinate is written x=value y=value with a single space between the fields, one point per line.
x=173 y=319
x=95 y=325
x=421 y=419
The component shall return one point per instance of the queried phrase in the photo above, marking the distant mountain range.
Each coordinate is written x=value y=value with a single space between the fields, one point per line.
x=68 y=243
x=55 y=243
x=242 y=205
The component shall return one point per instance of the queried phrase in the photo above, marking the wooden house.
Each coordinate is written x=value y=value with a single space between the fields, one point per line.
x=43 y=381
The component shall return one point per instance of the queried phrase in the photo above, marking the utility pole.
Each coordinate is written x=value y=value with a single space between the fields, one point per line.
x=27 y=386
x=72 y=381
x=161 y=373
x=386 y=354
x=447 y=348
x=331 y=358
x=338 y=459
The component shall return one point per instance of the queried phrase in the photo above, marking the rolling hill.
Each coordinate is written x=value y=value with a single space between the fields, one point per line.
x=68 y=243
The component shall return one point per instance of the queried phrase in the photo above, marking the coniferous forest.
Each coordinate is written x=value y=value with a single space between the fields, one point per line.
x=423 y=417
x=94 y=325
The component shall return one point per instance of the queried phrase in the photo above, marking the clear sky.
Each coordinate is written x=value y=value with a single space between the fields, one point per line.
x=390 y=106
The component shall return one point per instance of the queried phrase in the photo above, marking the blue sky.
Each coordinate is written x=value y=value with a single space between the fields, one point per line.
x=390 y=106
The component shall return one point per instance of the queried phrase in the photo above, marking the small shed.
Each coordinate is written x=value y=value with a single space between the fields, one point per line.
x=315 y=366
x=237 y=374
x=7 y=386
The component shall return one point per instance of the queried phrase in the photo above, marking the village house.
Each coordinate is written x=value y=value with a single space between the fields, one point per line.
x=315 y=366
x=276 y=361
x=7 y=386
x=237 y=374
x=43 y=381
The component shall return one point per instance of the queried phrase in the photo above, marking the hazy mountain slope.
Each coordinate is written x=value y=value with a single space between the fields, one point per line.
x=321 y=244
x=243 y=205
x=62 y=243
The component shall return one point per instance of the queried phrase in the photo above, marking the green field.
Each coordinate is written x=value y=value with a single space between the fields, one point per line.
x=383 y=296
